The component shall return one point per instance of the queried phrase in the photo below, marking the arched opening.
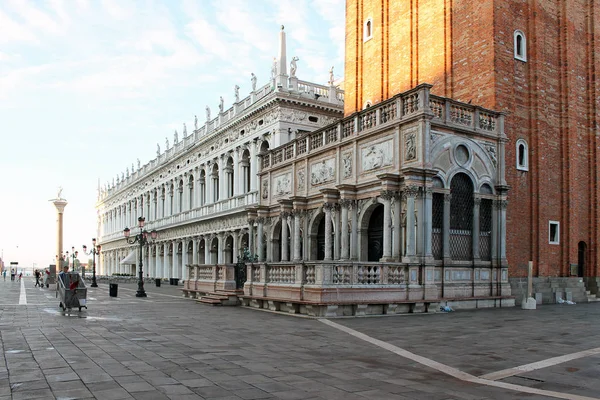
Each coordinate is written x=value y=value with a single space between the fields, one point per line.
x=215 y=183
x=202 y=188
x=276 y=243
x=375 y=234
x=244 y=245
x=172 y=202
x=437 y=225
x=162 y=202
x=191 y=192
x=229 y=178
x=202 y=252
x=180 y=195
x=319 y=239
x=264 y=149
x=461 y=218
x=245 y=166
x=485 y=230
x=228 y=255
x=214 y=251
x=581 y=258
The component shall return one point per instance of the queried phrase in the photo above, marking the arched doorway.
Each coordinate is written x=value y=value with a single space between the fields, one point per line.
x=581 y=258
x=228 y=259
x=321 y=239
x=202 y=252
x=375 y=234
x=461 y=218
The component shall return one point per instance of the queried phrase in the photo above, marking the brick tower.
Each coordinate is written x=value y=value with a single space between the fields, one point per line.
x=536 y=61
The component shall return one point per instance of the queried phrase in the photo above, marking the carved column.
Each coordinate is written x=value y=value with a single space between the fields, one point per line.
x=409 y=195
x=284 y=236
x=259 y=240
x=345 y=253
x=446 y=228
x=222 y=184
x=175 y=266
x=251 y=245
x=386 y=196
x=253 y=167
x=426 y=224
x=397 y=223
x=184 y=260
x=221 y=251
x=354 y=232
x=327 y=208
x=297 y=222
x=195 y=242
x=236 y=173
x=207 y=249
x=475 y=228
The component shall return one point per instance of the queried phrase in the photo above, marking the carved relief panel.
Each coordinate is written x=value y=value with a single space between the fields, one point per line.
x=322 y=171
x=376 y=156
x=282 y=184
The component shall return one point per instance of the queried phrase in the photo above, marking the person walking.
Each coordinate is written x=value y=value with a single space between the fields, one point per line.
x=4 y=274
x=37 y=278
x=12 y=274
x=20 y=275
x=47 y=278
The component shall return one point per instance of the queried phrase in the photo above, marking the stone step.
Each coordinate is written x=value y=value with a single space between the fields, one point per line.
x=209 y=301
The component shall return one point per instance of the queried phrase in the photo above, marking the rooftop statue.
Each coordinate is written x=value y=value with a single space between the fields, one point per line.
x=221 y=105
x=184 y=130
x=175 y=138
x=195 y=122
x=207 y=113
x=157 y=150
x=253 y=80
x=274 y=68
x=331 y=76
x=293 y=66
x=166 y=143
x=60 y=189
x=236 y=90
x=139 y=163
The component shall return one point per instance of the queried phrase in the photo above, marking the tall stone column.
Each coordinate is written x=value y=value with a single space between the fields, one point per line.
x=222 y=185
x=397 y=223
x=184 y=261
x=495 y=233
x=236 y=172
x=166 y=271
x=207 y=248
x=284 y=236
x=297 y=222
x=175 y=266
x=446 y=228
x=59 y=204
x=259 y=240
x=354 y=231
x=221 y=252
x=251 y=246
x=503 y=204
x=386 y=196
x=327 y=207
x=427 y=222
x=345 y=251
x=410 y=193
x=195 y=242
x=253 y=167
x=475 y=228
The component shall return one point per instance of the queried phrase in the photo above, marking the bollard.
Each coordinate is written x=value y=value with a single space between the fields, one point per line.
x=529 y=302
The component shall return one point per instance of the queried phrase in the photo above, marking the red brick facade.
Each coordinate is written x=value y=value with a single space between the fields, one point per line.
x=465 y=48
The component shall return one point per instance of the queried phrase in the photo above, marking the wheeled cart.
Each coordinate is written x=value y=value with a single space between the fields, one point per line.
x=71 y=290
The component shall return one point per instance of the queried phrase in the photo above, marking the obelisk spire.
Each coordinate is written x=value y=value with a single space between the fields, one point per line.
x=282 y=61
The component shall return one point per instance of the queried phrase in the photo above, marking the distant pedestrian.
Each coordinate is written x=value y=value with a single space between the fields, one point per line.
x=47 y=278
x=20 y=276
x=4 y=274
x=12 y=274
x=37 y=278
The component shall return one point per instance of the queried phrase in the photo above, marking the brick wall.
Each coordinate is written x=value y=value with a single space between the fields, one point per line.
x=465 y=49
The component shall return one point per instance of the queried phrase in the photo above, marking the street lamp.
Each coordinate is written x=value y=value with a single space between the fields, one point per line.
x=142 y=238
x=74 y=254
x=95 y=250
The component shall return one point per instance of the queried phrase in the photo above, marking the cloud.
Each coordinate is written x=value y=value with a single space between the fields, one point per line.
x=14 y=32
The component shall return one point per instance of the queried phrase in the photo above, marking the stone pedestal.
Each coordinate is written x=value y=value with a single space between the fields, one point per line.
x=528 y=304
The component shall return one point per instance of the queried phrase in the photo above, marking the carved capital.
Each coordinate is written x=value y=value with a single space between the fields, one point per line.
x=447 y=197
x=328 y=207
x=387 y=194
x=260 y=220
x=477 y=200
x=410 y=192
x=284 y=215
x=346 y=203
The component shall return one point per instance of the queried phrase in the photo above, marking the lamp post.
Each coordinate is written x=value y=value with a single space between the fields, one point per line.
x=95 y=250
x=74 y=254
x=142 y=238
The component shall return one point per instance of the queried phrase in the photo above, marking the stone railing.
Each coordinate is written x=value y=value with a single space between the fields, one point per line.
x=402 y=106
x=208 y=210
x=208 y=278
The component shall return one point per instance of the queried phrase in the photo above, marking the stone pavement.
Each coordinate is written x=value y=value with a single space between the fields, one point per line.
x=168 y=347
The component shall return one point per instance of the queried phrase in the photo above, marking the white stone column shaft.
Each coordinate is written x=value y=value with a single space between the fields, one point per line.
x=328 y=239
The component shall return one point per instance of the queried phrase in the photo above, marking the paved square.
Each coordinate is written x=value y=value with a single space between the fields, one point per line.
x=168 y=347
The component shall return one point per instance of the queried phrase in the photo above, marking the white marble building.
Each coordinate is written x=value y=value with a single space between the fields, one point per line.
x=195 y=193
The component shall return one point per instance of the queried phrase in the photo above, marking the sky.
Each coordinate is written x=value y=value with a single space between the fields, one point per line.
x=89 y=86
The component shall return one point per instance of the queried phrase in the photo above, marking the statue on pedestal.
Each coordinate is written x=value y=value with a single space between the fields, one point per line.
x=139 y=163
x=236 y=90
x=207 y=113
x=253 y=80
x=184 y=131
x=221 y=105
x=331 y=76
x=157 y=150
x=195 y=122
x=175 y=138
x=293 y=66
x=166 y=143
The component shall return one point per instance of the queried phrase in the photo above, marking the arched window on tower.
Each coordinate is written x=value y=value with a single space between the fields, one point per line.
x=368 y=29
x=522 y=155
x=520 y=45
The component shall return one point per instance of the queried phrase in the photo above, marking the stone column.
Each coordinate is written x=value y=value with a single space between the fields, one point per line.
x=354 y=232
x=166 y=271
x=236 y=172
x=503 y=204
x=297 y=222
x=335 y=213
x=427 y=222
x=207 y=248
x=195 y=242
x=60 y=205
x=259 y=240
x=208 y=186
x=251 y=246
x=253 y=167
x=222 y=185
x=397 y=222
x=386 y=196
x=446 y=228
x=345 y=253
x=475 y=228
x=495 y=233
x=284 y=236
x=184 y=261
x=410 y=193
x=175 y=266
x=327 y=207
x=221 y=251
